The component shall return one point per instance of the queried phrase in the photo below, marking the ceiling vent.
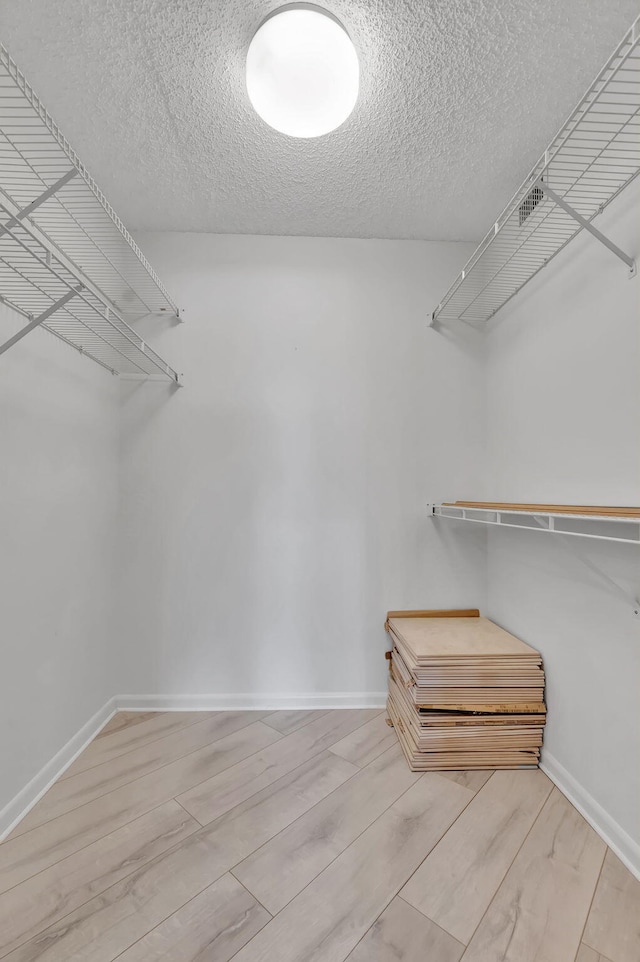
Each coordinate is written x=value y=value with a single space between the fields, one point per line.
x=529 y=204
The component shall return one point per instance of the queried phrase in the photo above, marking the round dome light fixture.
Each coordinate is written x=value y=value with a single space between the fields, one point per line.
x=302 y=71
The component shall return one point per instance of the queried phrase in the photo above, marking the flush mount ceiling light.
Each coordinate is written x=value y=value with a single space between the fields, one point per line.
x=302 y=71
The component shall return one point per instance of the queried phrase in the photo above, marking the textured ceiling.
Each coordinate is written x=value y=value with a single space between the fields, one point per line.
x=458 y=99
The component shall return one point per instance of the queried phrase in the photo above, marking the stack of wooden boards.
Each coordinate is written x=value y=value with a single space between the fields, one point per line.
x=463 y=693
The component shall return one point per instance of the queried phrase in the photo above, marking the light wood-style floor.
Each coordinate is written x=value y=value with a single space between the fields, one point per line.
x=303 y=837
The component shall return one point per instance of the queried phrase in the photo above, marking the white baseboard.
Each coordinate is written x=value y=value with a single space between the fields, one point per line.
x=607 y=828
x=19 y=806
x=23 y=802
x=613 y=834
x=247 y=702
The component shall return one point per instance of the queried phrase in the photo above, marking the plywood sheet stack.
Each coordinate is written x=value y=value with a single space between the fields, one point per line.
x=463 y=693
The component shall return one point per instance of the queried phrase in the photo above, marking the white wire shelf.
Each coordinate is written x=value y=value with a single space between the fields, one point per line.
x=602 y=527
x=593 y=157
x=66 y=260
x=34 y=155
x=33 y=282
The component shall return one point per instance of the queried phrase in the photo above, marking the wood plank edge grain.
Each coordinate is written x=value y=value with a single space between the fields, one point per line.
x=433 y=613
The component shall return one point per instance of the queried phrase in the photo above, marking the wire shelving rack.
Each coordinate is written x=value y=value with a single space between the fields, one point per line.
x=602 y=527
x=593 y=157
x=67 y=262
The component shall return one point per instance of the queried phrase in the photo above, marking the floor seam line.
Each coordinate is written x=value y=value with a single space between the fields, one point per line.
x=300 y=728
x=345 y=782
x=433 y=921
x=152 y=772
x=64 y=777
x=448 y=829
x=400 y=887
x=145 y=868
x=361 y=767
x=249 y=892
x=308 y=757
x=93 y=842
x=61 y=919
x=163 y=920
x=593 y=896
x=498 y=887
x=187 y=812
x=352 y=842
x=286 y=827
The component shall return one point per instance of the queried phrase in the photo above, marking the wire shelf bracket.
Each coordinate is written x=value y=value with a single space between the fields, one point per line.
x=34 y=281
x=587 y=225
x=45 y=195
x=594 y=156
x=67 y=263
x=37 y=321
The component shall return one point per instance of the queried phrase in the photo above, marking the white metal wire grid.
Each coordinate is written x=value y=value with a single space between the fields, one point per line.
x=593 y=157
x=600 y=527
x=58 y=234
x=77 y=218
x=32 y=280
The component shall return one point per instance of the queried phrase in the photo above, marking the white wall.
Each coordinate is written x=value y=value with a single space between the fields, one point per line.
x=275 y=506
x=58 y=508
x=269 y=513
x=563 y=409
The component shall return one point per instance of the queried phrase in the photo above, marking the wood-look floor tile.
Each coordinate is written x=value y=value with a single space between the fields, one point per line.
x=456 y=883
x=212 y=927
x=42 y=900
x=540 y=909
x=367 y=742
x=470 y=779
x=300 y=819
x=219 y=794
x=109 y=924
x=131 y=737
x=329 y=917
x=22 y=857
x=286 y=864
x=613 y=925
x=586 y=954
x=403 y=934
x=84 y=787
x=287 y=722
x=124 y=719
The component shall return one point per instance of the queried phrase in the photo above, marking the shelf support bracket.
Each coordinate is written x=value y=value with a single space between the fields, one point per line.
x=49 y=192
x=551 y=194
x=594 y=569
x=37 y=321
